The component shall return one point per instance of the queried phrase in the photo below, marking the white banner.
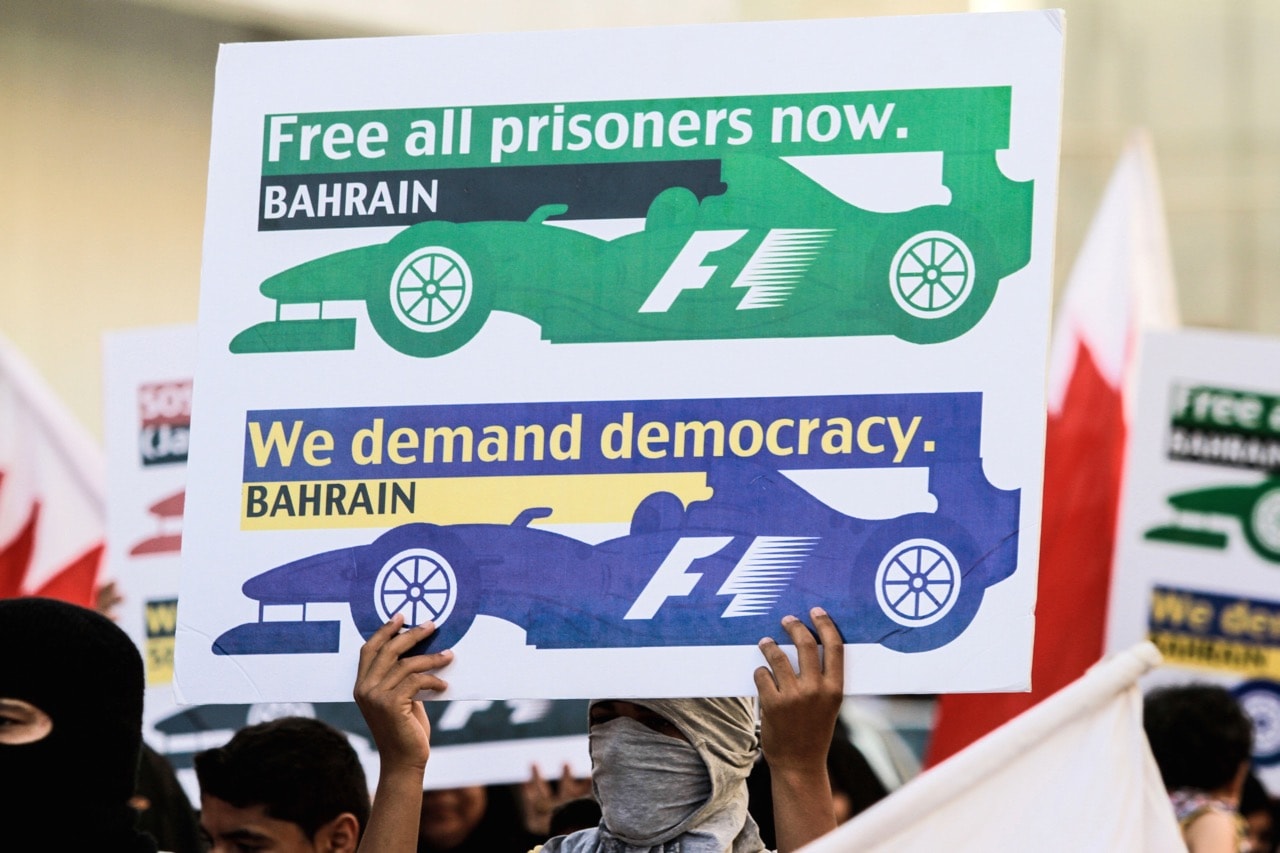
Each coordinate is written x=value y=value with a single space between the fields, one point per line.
x=1073 y=773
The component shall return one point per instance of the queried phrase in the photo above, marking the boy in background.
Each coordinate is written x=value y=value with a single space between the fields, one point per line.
x=292 y=785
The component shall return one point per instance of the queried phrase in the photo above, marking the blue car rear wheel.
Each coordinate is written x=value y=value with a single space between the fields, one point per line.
x=918 y=582
x=920 y=571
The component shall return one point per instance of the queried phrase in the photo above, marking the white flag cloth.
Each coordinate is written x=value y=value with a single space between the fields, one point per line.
x=1072 y=774
x=52 y=490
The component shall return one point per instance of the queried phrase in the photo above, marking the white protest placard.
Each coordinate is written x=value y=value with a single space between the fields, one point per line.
x=1198 y=552
x=606 y=365
x=147 y=384
x=147 y=377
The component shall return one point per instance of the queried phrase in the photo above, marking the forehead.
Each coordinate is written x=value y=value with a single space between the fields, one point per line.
x=225 y=822
x=603 y=710
x=620 y=708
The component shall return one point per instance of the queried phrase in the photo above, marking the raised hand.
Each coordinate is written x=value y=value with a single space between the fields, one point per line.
x=798 y=710
x=386 y=685
x=538 y=798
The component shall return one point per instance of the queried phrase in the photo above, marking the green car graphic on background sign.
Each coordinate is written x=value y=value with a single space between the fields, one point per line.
x=774 y=255
x=1256 y=507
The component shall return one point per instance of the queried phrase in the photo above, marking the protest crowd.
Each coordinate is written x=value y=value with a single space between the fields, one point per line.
x=667 y=774
x=664 y=771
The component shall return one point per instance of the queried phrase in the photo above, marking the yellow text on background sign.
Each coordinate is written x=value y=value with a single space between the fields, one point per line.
x=161 y=620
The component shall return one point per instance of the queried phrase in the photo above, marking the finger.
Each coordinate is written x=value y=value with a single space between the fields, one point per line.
x=389 y=654
x=782 y=673
x=401 y=691
x=415 y=664
x=765 y=683
x=566 y=778
x=375 y=643
x=832 y=647
x=423 y=663
x=423 y=682
x=409 y=638
x=420 y=714
x=406 y=669
x=807 y=657
x=540 y=785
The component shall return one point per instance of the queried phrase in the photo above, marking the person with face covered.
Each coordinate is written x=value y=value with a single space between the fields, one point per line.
x=71 y=685
x=669 y=774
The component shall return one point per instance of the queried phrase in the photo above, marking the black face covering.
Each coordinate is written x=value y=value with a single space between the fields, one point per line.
x=71 y=789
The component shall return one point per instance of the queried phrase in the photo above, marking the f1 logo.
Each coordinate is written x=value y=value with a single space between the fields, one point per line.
x=755 y=583
x=770 y=275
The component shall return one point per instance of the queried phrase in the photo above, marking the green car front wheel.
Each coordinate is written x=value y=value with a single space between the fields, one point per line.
x=431 y=289
x=1262 y=528
x=431 y=305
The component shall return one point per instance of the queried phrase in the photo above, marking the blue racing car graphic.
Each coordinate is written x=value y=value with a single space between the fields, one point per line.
x=719 y=572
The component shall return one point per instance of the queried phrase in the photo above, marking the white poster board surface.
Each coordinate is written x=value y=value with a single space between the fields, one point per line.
x=1198 y=553
x=608 y=365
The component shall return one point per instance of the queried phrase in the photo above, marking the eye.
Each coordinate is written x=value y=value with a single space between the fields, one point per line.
x=601 y=712
x=21 y=722
x=661 y=725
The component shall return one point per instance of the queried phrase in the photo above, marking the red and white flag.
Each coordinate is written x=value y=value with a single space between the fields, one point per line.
x=52 y=491
x=1122 y=282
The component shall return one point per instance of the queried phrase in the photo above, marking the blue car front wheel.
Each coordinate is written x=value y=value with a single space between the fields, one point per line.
x=418 y=583
x=418 y=570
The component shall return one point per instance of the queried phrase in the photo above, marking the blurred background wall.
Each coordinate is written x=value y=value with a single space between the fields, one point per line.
x=104 y=139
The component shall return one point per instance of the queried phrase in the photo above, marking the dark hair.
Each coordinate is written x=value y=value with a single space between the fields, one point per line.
x=1253 y=797
x=1198 y=734
x=165 y=813
x=847 y=769
x=851 y=773
x=300 y=770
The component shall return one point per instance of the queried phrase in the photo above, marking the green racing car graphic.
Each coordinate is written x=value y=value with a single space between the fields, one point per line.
x=1257 y=507
x=774 y=255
